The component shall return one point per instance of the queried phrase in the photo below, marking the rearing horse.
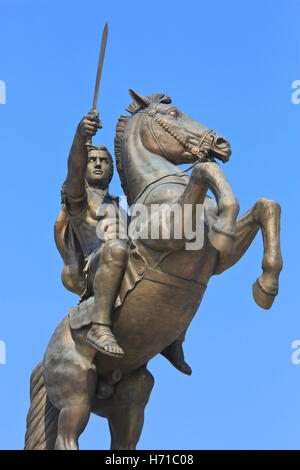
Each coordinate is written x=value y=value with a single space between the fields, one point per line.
x=170 y=280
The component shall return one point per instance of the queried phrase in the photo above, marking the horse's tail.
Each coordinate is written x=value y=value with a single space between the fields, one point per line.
x=42 y=416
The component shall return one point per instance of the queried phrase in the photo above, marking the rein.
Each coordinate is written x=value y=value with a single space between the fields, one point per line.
x=195 y=150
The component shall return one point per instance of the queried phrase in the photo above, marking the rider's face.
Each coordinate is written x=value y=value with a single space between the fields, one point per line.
x=98 y=168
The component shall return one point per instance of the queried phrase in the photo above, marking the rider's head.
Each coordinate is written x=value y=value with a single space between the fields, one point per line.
x=100 y=166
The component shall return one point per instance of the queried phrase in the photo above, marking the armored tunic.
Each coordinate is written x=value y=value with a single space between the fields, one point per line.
x=85 y=223
x=78 y=240
x=86 y=227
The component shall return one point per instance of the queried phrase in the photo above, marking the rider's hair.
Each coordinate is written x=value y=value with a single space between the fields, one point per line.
x=102 y=148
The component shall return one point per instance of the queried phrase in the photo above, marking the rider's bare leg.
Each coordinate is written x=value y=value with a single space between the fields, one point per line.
x=264 y=215
x=107 y=282
x=71 y=423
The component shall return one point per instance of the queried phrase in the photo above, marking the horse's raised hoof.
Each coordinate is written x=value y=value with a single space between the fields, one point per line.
x=263 y=298
x=220 y=240
x=103 y=340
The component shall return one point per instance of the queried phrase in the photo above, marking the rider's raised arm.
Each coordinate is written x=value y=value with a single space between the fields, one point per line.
x=77 y=161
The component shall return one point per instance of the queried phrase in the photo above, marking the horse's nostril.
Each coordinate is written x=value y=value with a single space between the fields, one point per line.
x=221 y=142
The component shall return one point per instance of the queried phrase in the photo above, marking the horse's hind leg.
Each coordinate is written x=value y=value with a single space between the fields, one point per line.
x=71 y=380
x=126 y=410
x=264 y=215
x=71 y=423
x=77 y=391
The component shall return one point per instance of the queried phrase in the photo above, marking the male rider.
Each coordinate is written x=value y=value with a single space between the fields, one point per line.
x=90 y=170
x=85 y=189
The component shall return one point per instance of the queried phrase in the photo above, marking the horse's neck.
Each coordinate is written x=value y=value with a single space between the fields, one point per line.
x=142 y=167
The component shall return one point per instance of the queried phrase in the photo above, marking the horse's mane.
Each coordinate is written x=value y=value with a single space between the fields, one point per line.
x=120 y=128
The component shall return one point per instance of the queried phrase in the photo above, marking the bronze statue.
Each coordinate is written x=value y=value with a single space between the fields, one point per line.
x=163 y=283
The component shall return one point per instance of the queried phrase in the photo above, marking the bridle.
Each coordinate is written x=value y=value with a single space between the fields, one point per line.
x=199 y=153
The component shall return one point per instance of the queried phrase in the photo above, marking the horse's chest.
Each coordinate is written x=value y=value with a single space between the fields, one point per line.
x=197 y=265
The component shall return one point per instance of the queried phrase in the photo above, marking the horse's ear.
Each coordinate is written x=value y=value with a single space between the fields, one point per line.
x=139 y=99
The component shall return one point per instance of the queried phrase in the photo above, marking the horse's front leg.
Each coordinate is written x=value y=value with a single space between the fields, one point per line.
x=264 y=215
x=205 y=176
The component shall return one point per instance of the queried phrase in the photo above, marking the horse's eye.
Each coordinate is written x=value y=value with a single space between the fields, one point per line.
x=173 y=113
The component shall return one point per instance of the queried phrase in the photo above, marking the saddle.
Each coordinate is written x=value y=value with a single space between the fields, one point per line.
x=136 y=270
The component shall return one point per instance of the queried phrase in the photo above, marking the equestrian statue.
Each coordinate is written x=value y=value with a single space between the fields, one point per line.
x=138 y=294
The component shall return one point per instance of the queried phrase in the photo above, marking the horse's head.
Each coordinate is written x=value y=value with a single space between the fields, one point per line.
x=169 y=132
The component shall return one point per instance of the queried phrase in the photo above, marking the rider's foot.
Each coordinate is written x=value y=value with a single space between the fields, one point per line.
x=174 y=354
x=102 y=338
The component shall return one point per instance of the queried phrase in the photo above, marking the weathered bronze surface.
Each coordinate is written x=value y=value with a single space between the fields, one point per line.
x=158 y=284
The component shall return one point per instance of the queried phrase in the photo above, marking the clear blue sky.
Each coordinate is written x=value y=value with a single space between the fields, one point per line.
x=227 y=63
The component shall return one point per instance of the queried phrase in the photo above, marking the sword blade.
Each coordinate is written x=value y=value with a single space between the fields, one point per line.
x=100 y=64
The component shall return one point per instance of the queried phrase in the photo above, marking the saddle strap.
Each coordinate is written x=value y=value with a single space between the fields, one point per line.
x=171 y=280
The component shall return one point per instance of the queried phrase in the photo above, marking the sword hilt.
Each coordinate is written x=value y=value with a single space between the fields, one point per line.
x=88 y=142
x=92 y=112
